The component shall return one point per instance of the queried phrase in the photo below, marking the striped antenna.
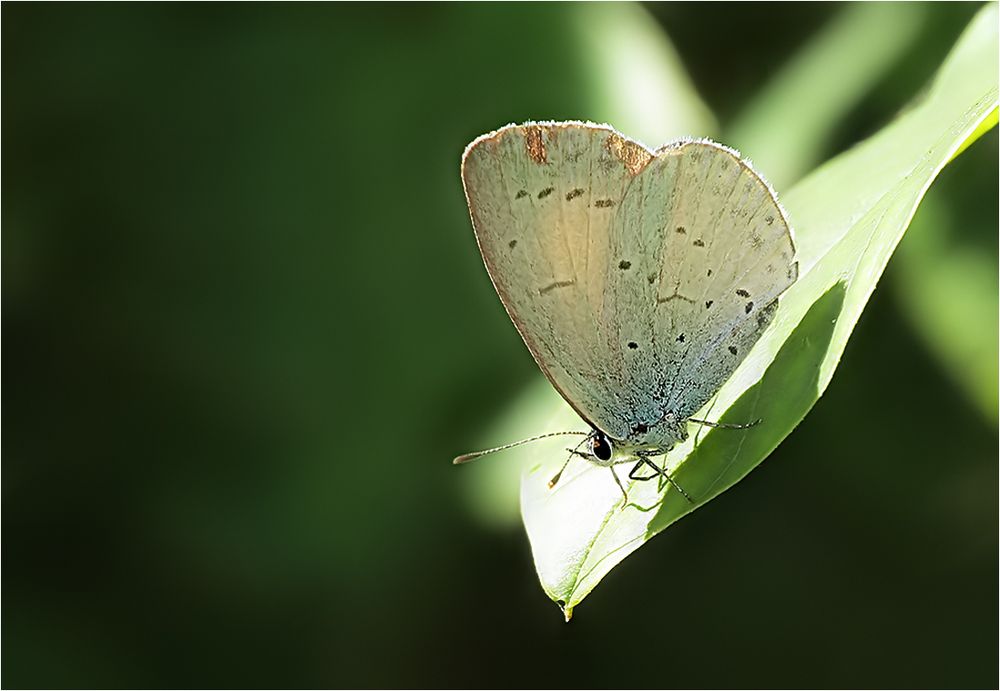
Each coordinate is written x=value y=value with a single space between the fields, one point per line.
x=466 y=457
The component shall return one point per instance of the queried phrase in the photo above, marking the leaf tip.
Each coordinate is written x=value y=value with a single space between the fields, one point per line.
x=567 y=611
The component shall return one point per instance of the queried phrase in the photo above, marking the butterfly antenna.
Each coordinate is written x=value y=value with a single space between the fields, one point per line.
x=466 y=457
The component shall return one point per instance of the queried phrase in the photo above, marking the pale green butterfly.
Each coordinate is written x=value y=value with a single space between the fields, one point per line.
x=639 y=280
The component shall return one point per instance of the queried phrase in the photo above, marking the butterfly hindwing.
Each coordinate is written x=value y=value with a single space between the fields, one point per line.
x=724 y=255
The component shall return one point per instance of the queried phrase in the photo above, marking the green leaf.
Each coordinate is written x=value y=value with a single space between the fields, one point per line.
x=786 y=127
x=848 y=216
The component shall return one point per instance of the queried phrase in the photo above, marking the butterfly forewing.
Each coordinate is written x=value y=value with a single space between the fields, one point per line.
x=638 y=282
x=542 y=201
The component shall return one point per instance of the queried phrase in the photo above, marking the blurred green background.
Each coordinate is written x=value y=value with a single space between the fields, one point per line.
x=248 y=327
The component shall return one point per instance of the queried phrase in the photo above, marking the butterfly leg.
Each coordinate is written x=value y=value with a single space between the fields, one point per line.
x=634 y=473
x=643 y=460
x=620 y=486
x=726 y=425
x=648 y=453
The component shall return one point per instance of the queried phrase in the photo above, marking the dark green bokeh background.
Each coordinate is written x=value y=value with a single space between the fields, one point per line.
x=247 y=327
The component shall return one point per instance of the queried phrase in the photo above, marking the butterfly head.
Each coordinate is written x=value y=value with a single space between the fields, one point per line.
x=606 y=451
x=600 y=446
x=642 y=440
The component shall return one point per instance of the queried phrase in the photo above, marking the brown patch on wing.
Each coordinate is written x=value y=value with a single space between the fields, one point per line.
x=631 y=154
x=534 y=144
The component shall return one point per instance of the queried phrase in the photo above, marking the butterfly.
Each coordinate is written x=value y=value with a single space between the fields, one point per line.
x=638 y=279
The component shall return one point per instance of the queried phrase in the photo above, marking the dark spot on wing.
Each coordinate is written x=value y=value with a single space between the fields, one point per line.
x=698 y=243
x=742 y=293
x=769 y=220
x=512 y=244
x=624 y=265
x=709 y=273
x=749 y=307
x=553 y=286
x=732 y=349
x=708 y=303
x=546 y=192
x=633 y=345
x=651 y=278
x=521 y=193
x=603 y=203
x=680 y=339
x=674 y=296
x=681 y=230
x=762 y=316
x=574 y=194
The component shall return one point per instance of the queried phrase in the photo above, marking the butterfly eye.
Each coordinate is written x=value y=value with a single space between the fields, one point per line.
x=602 y=447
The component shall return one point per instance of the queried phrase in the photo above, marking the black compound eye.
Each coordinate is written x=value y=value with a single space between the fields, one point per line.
x=602 y=447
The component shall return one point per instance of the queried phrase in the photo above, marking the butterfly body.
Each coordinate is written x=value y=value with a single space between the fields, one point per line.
x=639 y=280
